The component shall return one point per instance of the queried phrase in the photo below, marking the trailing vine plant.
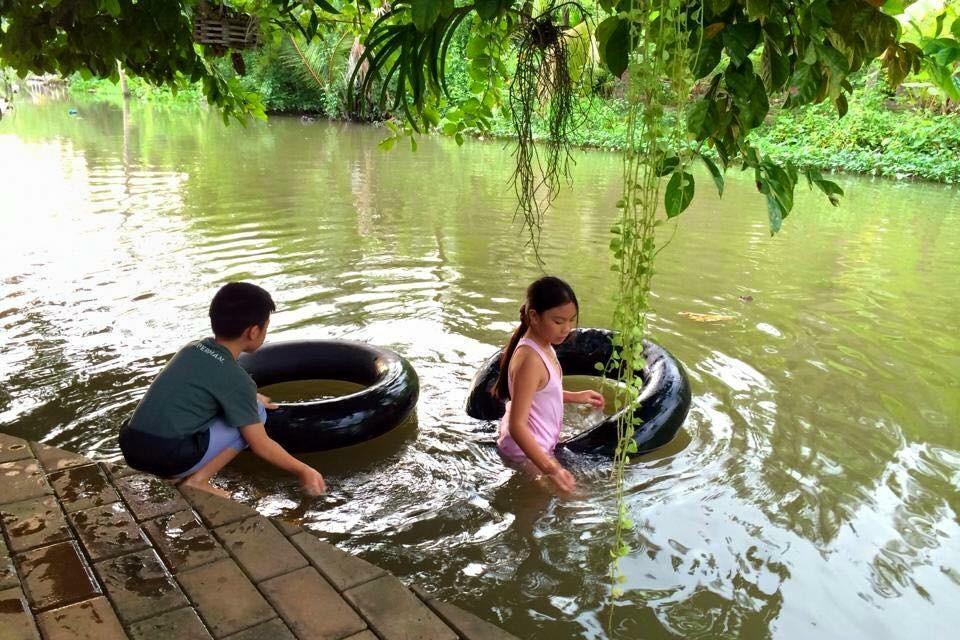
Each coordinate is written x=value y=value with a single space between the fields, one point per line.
x=542 y=80
x=659 y=80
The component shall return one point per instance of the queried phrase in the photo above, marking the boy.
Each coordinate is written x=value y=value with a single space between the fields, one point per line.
x=203 y=408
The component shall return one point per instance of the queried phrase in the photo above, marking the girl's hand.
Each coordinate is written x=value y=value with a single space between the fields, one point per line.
x=591 y=397
x=265 y=401
x=562 y=479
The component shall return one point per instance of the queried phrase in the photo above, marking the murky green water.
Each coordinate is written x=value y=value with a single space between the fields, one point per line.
x=814 y=492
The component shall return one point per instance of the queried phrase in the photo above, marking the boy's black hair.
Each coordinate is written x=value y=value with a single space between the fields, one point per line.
x=237 y=306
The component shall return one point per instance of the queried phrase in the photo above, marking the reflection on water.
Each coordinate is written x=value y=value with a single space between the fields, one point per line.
x=814 y=490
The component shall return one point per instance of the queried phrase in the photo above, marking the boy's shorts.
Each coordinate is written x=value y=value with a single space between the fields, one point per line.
x=219 y=436
x=222 y=436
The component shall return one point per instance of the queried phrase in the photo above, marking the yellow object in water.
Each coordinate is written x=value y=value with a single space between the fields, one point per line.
x=705 y=317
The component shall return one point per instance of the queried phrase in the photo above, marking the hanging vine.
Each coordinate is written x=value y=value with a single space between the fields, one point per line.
x=659 y=81
x=542 y=80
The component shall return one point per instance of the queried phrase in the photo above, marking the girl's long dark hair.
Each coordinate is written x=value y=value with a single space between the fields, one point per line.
x=543 y=294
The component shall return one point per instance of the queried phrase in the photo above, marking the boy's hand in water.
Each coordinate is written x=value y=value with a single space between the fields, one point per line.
x=312 y=482
x=591 y=397
x=265 y=401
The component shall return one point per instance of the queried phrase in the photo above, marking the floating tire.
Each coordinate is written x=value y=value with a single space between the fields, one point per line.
x=661 y=407
x=390 y=395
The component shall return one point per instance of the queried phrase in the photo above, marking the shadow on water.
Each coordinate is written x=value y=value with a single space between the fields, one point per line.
x=813 y=490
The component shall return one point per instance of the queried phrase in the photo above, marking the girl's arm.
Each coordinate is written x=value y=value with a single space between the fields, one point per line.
x=584 y=397
x=530 y=375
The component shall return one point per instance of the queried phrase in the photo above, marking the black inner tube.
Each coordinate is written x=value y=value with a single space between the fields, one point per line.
x=390 y=393
x=315 y=360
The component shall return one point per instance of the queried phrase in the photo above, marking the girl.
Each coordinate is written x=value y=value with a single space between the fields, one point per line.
x=530 y=380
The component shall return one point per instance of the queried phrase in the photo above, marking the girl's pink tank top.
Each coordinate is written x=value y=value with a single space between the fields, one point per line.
x=546 y=410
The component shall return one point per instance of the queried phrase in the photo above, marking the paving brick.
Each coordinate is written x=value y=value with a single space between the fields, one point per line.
x=260 y=548
x=182 y=624
x=272 y=630
x=90 y=620
x=226 y=600
x=56 y=575
x=139 y=586
x=182 y=541
x=108 y=531
x=82 y=488
x=149 y=496
x=340 y=568
x=298 y=596
x=116 y=469
x=16 y=622
x=12 y=448
x=54 y=459
x=21 y=480
x=395 y=613
x=286 y=528
x=363 y=635
x=466 y=624
x=214 y=510
x=8 y=573
x=34 y=523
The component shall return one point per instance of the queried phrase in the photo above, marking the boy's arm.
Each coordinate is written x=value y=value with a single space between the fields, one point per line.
x=267 y=448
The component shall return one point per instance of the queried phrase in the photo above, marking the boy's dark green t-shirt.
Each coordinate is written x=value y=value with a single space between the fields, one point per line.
x=201 y=382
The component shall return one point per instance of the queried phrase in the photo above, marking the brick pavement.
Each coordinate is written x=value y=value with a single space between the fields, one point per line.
x=101 y=552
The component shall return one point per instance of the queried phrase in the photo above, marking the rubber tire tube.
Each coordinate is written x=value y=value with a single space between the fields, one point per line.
x=391 y=392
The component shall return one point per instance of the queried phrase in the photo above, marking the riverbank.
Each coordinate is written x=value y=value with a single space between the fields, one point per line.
x=878 y=136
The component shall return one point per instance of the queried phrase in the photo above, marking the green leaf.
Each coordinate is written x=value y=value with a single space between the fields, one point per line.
x=111 y=6
x=326 y=6
x=834 y=60
x=490 y=9
x=774 y=66
x=740 y=39
x=667 y=166
x=613 y=43
x=707 y=58
x=939 y=27
x=424 y=13
x=842 y=105
x=679 y=193
x=894 y=7
x=719 y=6
x=714 y=173
x=757 y=9
x=477 y=46
x=804 y=85
x=830 y=189
x=699 y=120
x=387 y=143
x=955 y=28
x=774 y=213
x=749 y=94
